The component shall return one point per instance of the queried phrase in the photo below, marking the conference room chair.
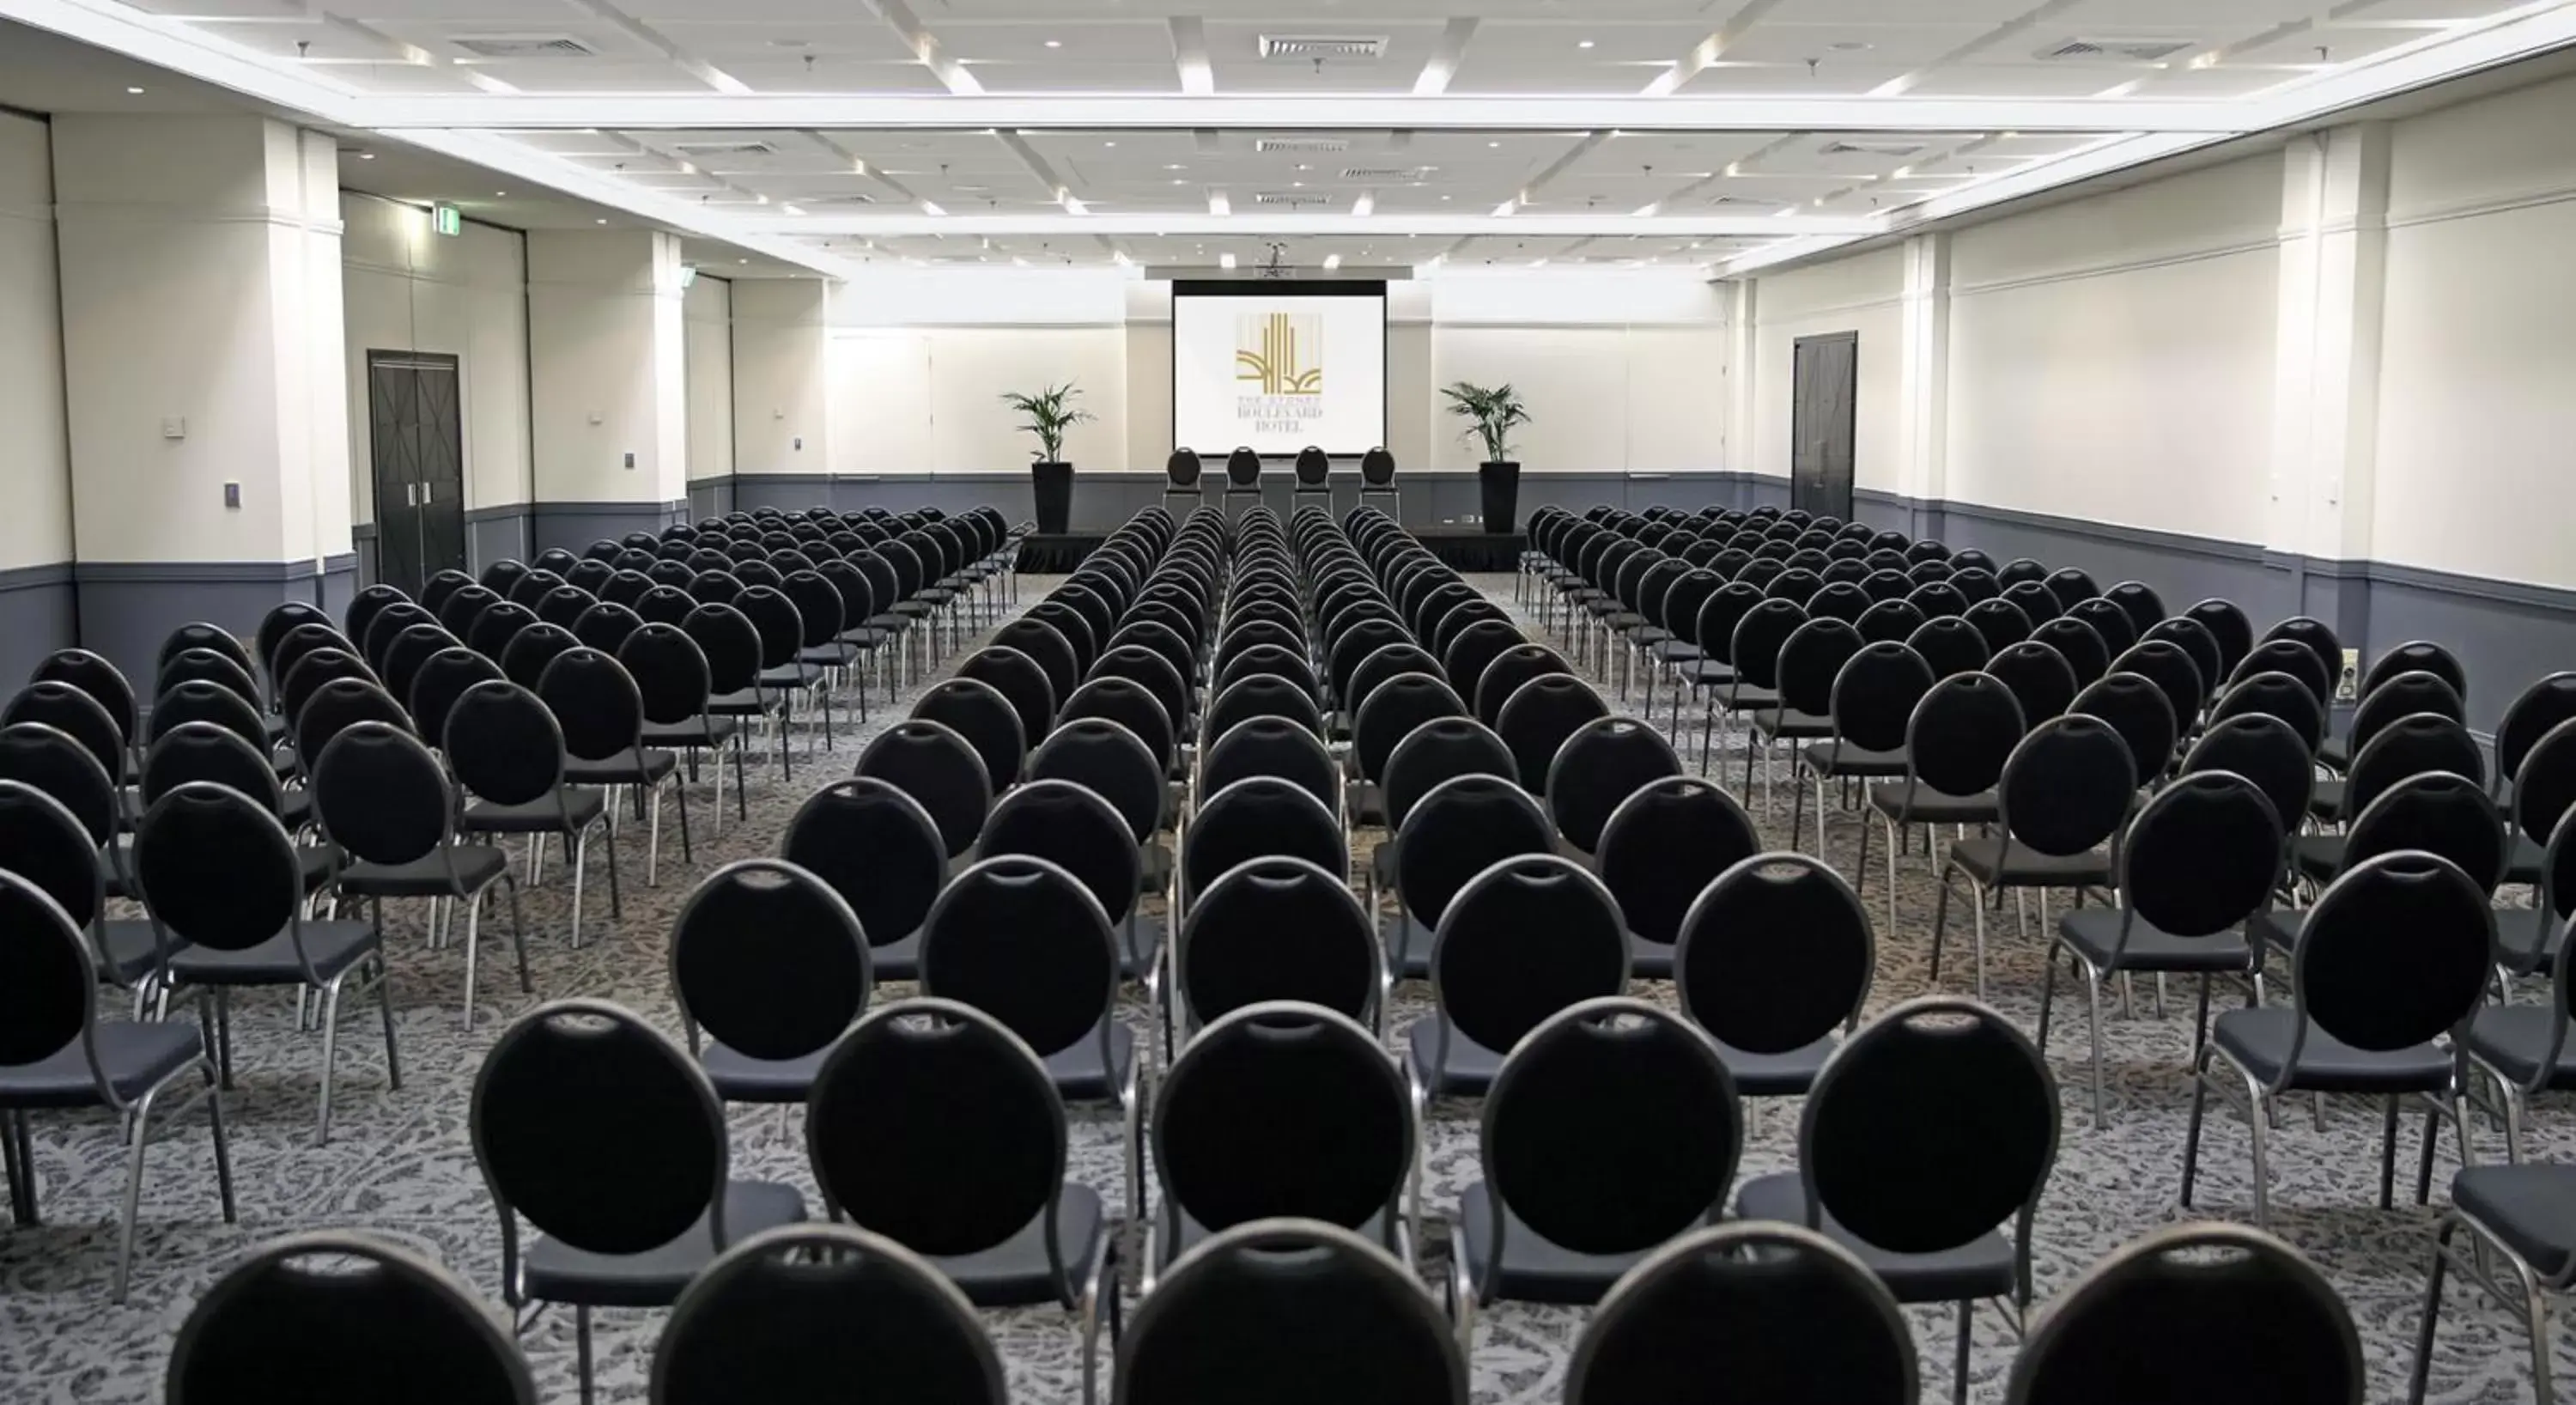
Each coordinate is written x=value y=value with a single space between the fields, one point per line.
x=1540 y=716
x=607 y=1140
x=347 y=1306
x=440 y=585
x=1456 y=830
x=1112 y=762
x=220 y=874
x=386 y=804
x=76 y=714
x=1261 y=695
x=2535 y=712
x=1276 y=746
x=1610 y=1129
x=1257 y=817
x=674 y=682
x=494 y=627
x=335 y=707
x=94 y=675
x=1869 y=707
x=523 y=661
x=2314 y=635
x=1774 y=1312
x=987 y=720
x=1250 y=1303
x=877 y=848
x=564 y=603
x=1027 y=941
x=1078 y=830
x=605 y=626
x=2040 y=679
x=799 y=1312
x=2199 y=861
x=599 y=707
x=205 y=751
x=2539 y=801
x=1236 y=663
x=1809 y=661
x=2236 y=1296
x=2278 y=695
x=1280 y=1110
x=1663 y=844
x=2518 y=1051
x=1273 y=930
x=2065 y=790
x=1774 y=959
x=506 y=748
x=2393 y=958
x=1597 y=767
x=2077 y=643
x=2419 y=745
x=2108 y=621
x=2294 y=658
x=1395 y=659
x=941 y=770
x=280 y=622
x=921 y=1087
x=197 y=665
x=2405 y=696
x=2137 y=709
x=2435 y=812
x=1883 y=1172
x=1760 y=632
x=129 y=951
x=769 y=967
x=1472 y=649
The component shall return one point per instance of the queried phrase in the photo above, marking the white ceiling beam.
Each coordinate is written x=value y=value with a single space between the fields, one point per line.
x=662 y=44
x=2021 y=23
x=925 y=46
x=1711 y=49
x=1190 y=55
x=1272 y=112
x=1445 y=57
x=1604 y=223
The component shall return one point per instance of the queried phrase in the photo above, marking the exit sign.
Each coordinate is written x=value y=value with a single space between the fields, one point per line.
x=446 y=220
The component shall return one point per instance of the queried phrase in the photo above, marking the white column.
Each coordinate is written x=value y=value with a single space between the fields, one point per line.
x=2325 y=425
x=1743 y=357
x=1924 y=380
x=204 y=369
x=608 y=355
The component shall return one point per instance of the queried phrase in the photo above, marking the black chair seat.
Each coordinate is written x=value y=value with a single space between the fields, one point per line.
x=1622 y=621
x=565 y=809
x=756 y=701
x=2095 y=931
x=129 y=949
x=628 y=767
x=1154 y=866
x=919 y=607
x=2525 y=862
x=1649 y=960
x=2317 y=856
x=2531 y=1208
x=1137 y=947
x=1082 y=1076
x=1929 y=806
x=2335 y=754
x=1676 y=651
x=1707 y=673
x=2259 y=1042
x=1382 y=864
x=1788 y=1074
x=740 y=1078
x=700 y=731
x=1532 y=1268
x=1408 y=948
x=1789 y=724
x=2514 y=1039
x=1649 y=635
x=1741 y=698
x=2525 y=940
x=898 y=960
x=558 y=1273
x=1014 y=1273
x=1985 y=861
x=1981 y=1268
x=833 y=655
x=1368 y=806
x=2325 y=799
x=792 y=675
x=1468 y=1071
x=886 y=624
x=136 y=1058
x=865 y=637
x=427 y=876
x=1182 y=1233
x=334 y=947
x=1842 y=759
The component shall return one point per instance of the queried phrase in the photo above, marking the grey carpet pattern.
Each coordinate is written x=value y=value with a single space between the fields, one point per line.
x=399 y=1163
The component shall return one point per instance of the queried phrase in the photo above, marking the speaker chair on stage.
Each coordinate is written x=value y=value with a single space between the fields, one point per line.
x=1183 y=493
x=1314 y=478
x=1242 y=482
x=1377 y=483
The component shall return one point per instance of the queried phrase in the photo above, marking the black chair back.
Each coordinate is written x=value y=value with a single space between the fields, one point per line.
x=2075 y=641
x=1263 y=695
x=769 y=959
x=352 y=1306
x=2395 y=953
x=94 y=675
x=1522 y=940
x=1277 y=929
x=2411 y=746
x=1781 y=1313
x=1775 y=954
x=2539 y=710
x=2203 y=856
x=2041 y=681
x=1107 y=759
x=50 y=760
x=2145 y=719
x=2108 y=621
x=1951 y=645
x=2277 y=695
x=987 y=720
x=875 y=845
x=934 y=765
x=1271 y=746
x=2293 y=658
x=2002 y=622
x=2435 y=812
x=1259 y=817
x=185 y=703
x=2262 y=749
x=1600 y=765
x=2068 y=786
x=74 y=712
x=1610 y=1092
x=205 y=666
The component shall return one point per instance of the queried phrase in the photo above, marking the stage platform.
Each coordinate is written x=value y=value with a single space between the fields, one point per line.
x=1459 y=548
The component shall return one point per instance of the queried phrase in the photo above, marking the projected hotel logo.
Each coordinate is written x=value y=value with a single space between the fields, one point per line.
x=1281 y=352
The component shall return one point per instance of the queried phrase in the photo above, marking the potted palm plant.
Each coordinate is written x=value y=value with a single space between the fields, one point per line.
x=1048 y=414
x=1492 y=413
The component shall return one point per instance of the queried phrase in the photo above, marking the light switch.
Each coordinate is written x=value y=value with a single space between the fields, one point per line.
x=232 y=495
x=630 y=459
x=800 y=443
x=174 y=427
x=598 y=418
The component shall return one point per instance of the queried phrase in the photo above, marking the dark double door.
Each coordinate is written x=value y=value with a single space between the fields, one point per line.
x=416 y=421
x=1826 y=386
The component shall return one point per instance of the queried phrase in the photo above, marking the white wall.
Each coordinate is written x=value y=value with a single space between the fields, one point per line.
x=707 y=322
x=782 y=387
x=2477 y=403
x=406 y=288
x=35 y=456
x=610 y=360
x=1861 y=294
x=1621 y=372
x=2112 y=359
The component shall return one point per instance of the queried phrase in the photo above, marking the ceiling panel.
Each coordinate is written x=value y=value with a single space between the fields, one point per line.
x=1234 y=52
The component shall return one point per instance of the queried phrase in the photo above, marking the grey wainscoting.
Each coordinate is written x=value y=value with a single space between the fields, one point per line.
x=2506 y=633
x=124 y=609
x=499 y=533
x=574 y=525
x=38 y=614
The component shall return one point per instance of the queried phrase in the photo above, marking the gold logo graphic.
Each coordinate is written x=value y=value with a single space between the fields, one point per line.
x=1283 y=351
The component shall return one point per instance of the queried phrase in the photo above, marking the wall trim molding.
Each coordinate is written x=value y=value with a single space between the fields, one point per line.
x=209 y=572
x=2171 y=258
x=513 y=286
x=154 y=212
x=50 y=575
x=594 y=509
x=2472 y=208
x=498 y=512
x=1764 y=317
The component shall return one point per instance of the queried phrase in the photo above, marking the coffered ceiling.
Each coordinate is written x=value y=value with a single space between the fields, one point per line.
x=1718 y=133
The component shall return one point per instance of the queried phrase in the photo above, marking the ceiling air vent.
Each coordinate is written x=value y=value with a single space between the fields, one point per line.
x=724 y=148
x=822 y=202
x=1301 y=146
x=1897 y=149
x=1385 y=175
x=2118 y=50
x=1317 y=48
x=1291 y=199
x=524 y=46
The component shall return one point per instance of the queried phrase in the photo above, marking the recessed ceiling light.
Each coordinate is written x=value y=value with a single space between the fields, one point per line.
x=1172 y=166
x=138 y=92
x=1584 y=44
x=366 y=156
x=1176 y=180
x=1297 y=184
x=1225 y=261
x=1109 y=143
x=599 y=221
x=1849 y=46
x=1055 y=43
x=744 y=261
x=1495 y=144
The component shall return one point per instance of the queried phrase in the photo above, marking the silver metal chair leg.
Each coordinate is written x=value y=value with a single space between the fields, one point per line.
x=330 y=1048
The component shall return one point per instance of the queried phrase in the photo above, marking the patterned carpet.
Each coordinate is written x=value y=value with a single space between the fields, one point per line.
x=399 y=1162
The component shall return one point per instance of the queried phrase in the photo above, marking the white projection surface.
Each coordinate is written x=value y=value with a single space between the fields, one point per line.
x=1279 y=371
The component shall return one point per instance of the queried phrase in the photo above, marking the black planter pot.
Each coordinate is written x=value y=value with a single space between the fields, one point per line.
x=1502 y=485
x=1052 y=485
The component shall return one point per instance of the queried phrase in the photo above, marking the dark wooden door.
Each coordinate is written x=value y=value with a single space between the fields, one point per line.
x=1826 y=387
